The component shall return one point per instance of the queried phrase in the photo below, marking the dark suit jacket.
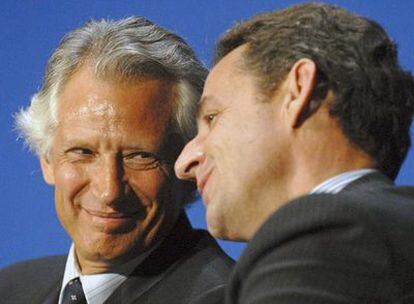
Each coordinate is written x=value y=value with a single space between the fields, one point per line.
x=353 y=247
x=188 y=267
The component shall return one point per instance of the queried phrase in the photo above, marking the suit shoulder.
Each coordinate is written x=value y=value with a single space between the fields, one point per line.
x=208 y=260
x=44 y=265
x=199 y=276
x=386 y=215
x=368 y=231
x=389 y=205
x=31 y=277
x=367 y=206
x=210 y=268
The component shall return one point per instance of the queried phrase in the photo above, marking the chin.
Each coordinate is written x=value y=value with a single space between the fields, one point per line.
x=224 y=234
x=221 y=225
x=110 y=247
x=216 y=226
x=214 y=231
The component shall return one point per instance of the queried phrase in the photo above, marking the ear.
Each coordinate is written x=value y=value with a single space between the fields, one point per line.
x=300 y=83
x=47 y=170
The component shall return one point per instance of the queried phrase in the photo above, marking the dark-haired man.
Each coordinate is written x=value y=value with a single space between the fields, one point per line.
x=303 y=125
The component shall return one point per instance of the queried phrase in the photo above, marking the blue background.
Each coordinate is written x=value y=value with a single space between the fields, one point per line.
x=30 y=30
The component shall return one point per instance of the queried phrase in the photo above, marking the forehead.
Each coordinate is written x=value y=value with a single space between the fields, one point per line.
x=139 y=104
x=228 y=81
x=231 y=64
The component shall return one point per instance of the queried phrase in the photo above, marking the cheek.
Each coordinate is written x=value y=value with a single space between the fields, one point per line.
x=148 y=184
x=228 y=138
x=69 y=180
x=225 y=149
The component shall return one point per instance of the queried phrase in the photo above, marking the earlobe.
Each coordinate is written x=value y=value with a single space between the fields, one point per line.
x=301 y=81
x=47 y=170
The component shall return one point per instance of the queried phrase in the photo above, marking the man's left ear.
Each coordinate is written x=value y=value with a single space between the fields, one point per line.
x=300 y=83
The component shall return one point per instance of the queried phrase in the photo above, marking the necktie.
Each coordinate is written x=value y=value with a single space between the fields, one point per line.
x=73 y=293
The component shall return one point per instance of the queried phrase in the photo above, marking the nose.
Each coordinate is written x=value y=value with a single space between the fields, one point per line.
x=189 y=159
x=109 y=184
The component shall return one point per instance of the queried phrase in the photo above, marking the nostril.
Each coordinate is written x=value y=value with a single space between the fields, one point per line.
x=184 y=170
x=189 y=168
x=190 y=158
x=197 y=158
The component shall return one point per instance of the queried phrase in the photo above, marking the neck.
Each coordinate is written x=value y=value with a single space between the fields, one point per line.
x=311 y=163
x=321 y=151
x=312 y=173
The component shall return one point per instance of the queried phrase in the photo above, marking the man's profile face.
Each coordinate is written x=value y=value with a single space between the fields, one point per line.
x=238 y=149
x=112 y=194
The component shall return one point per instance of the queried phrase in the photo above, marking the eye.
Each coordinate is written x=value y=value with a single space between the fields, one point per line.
x=79 y=154
x=145 y=156
x=141 y=160
x=80 y=151
x=209 y=118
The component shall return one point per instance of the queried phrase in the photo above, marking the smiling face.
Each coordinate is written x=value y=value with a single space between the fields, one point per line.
x=238 y=156
x=112 y=192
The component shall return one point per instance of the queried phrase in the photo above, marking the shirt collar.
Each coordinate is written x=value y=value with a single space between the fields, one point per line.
x=339 y=182
x=98 y=287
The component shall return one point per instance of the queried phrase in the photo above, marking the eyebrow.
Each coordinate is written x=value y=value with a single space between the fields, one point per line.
x=137 y=148
x=76 y=141
x=89 y=143
x=204 y=102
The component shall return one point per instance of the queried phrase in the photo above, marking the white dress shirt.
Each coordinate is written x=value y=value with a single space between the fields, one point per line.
x=340 y=181
x=98 y=287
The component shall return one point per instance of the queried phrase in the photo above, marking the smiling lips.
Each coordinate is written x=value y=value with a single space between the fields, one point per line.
x=109 y=215
x=201 y=183
x=110 y=222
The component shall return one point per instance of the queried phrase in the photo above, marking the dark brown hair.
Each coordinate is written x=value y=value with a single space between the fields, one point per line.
x=355 y=59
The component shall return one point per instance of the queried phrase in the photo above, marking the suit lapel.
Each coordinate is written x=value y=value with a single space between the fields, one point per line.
x=52 y=296
x=157 y=265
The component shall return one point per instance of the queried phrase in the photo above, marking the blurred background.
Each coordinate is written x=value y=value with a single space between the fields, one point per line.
x=29 y=32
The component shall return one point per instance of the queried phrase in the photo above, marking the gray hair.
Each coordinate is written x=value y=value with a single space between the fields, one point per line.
x=126 y=49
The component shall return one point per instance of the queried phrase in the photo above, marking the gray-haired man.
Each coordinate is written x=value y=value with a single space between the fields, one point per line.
x=115 y=109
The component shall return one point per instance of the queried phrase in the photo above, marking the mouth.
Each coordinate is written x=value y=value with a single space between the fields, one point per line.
x=202 y=181
x=110 y=221
x=109 y=215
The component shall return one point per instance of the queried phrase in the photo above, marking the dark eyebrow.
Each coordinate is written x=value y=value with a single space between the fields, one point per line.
x=204 y=101
x=200 y=106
